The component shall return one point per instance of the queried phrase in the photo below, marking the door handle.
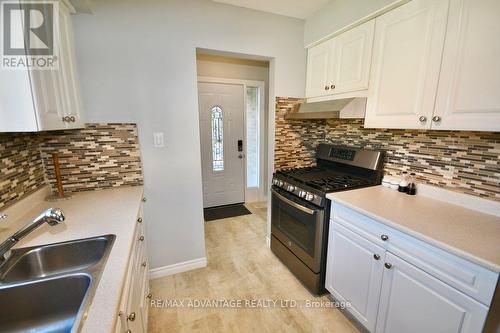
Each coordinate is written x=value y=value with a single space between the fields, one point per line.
x=293 y=204
x=241 y=156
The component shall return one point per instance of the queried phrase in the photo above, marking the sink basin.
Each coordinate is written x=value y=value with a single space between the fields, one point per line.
x=41 y=261
x=48 y=288
x=48 y=306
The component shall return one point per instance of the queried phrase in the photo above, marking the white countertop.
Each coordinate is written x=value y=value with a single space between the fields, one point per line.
x=470 y=234
x=88 y=214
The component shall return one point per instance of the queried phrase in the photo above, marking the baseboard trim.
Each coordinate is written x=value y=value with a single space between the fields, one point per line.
x=180 y=267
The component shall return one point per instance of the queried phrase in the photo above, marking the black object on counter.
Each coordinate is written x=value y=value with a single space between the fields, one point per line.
x=412 y=189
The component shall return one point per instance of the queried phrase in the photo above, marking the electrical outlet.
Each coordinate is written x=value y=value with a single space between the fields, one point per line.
x=158 y=140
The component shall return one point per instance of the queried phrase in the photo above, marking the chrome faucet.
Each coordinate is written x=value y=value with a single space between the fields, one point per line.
x=52 y=216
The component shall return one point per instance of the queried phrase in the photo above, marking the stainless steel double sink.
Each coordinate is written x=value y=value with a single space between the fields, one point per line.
x=48 y=288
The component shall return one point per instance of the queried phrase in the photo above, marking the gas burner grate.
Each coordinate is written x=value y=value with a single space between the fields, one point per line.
x=337 y=182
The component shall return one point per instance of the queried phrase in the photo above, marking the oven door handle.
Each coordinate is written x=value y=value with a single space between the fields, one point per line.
x=293 y=204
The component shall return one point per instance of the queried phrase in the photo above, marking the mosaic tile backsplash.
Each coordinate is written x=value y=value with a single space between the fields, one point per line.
x=96 y=157
x=467 y=162
x=21 y=167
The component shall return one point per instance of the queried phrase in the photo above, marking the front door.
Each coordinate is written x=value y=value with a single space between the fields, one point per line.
x=222 y=147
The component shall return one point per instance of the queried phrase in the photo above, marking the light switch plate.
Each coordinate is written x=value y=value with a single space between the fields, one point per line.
x=158 y=140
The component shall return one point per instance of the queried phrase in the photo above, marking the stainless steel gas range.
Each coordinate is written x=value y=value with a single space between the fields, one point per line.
x=300 y=211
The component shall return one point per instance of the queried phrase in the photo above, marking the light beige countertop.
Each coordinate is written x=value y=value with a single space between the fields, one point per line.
x=88 y=214
x=470 y=234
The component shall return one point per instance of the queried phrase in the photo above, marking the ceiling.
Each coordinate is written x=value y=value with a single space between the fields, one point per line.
x=301 y=9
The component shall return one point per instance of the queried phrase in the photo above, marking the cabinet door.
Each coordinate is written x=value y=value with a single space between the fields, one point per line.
x=407 y=52
x=354 y=273
x=414 y=301
x=318 y=76
x=68 y=71
x=48 y=101
x=352 y=57
x=469 y=86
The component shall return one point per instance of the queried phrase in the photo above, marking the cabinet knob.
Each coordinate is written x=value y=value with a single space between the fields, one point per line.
x=387 y=265
x=144 y=264
x=139 y=220
x=128 y=331
x=436 y=119
x=327 y=87
x=72 y=119
x=149 y=296
x=131 y=316
x=144 y=199
x=66 y=119
x=141 y=238
x=384 y=237
x=376 y=257
x=332 y=86
x=422 y=119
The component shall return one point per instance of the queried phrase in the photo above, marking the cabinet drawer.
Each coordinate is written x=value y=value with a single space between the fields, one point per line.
x=362 y=225
x=473 y=280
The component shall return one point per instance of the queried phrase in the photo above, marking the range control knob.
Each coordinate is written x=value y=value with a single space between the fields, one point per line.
x=291 y=188
x=302 y=194
x=309 y=197
x=275 y=181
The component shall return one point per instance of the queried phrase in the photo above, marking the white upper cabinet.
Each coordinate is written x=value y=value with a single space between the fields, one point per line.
x=318 y=59
x=341 y=64
x=39 y=100
x=469 y=86
x=405 y=67
x=69 y=72
x=352 y=57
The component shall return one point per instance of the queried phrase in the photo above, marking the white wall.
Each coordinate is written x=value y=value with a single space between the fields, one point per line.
x=337 y=14
x=137 y=63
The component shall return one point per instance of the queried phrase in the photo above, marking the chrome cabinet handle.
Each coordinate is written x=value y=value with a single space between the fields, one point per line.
x=332 y=86
x=327 y=87
x=376 y=257
x=139 y=220
x=384 y=237
x=387 y=265
x=422 y=119
x=141 y=238
x=66 y=119
x=131 y=316
x=436 y=119
x=72 y=119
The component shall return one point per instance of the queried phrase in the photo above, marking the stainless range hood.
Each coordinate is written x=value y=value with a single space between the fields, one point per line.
x=340 y=108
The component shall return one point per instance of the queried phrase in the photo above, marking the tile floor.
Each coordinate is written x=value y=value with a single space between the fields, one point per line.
x=240 y=267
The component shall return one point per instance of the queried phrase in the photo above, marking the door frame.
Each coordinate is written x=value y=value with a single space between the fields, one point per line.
x=253 y=194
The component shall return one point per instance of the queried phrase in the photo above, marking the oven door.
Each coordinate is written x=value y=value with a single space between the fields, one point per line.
x=299 y=226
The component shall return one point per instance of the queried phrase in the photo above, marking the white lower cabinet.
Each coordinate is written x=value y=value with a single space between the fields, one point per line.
x=414 y=301
x=354 y=273
x=389 y=294
x=133 y=311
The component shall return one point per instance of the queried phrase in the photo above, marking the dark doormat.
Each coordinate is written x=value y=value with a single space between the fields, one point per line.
x=223 y=212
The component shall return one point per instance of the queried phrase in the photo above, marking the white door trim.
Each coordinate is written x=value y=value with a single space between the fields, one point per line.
x=251 y=194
